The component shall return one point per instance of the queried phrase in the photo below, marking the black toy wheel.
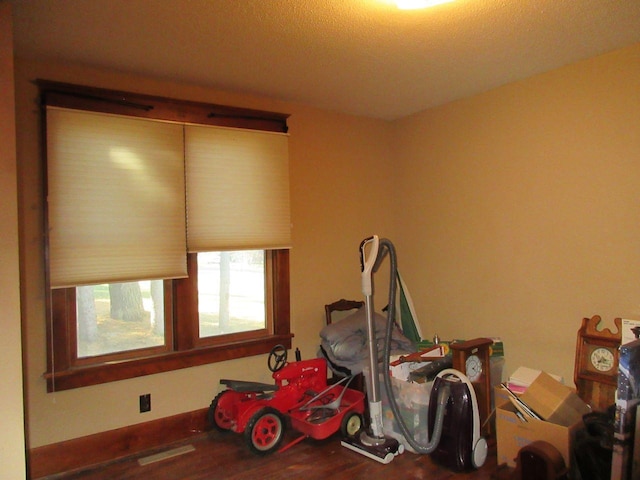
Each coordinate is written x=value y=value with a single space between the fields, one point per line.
x=220 y=414
x=265 y=431
x=351 y=424
x=277 y=358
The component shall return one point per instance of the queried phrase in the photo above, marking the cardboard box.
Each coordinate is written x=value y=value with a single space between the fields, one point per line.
x=554 y=402
x=513 y=434
x=551 y=400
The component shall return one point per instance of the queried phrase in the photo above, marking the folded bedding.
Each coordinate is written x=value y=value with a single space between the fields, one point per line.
x=344 y=343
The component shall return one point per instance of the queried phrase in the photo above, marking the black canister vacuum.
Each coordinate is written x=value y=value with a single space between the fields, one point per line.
x=454 y=421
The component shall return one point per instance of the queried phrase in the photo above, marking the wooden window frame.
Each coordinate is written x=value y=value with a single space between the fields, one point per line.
x=187 y=315
x=183 y=348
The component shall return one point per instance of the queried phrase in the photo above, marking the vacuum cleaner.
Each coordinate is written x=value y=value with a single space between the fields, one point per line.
x=461 y=446
x=372 y=442
x=453 y=420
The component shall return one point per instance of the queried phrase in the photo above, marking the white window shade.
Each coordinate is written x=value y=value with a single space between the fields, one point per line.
x=237 y=189
x=115 y=198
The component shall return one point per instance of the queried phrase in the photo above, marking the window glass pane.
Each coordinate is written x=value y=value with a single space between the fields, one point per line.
x=231 y=292
x=118 y=317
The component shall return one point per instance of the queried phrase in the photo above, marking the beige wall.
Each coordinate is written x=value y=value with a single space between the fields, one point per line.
x=513 y=213
x=339 y=166
x=520 y=209
x=12 y=440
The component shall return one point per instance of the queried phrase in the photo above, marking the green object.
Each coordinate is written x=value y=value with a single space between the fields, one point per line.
x=410 y=328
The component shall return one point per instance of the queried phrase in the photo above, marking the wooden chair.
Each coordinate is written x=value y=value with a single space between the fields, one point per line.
x=335 y=312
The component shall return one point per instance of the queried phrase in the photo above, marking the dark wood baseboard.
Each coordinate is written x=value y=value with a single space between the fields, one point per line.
x=114 y=444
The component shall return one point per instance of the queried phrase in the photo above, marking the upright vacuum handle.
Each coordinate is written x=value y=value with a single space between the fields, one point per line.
x=367 y=263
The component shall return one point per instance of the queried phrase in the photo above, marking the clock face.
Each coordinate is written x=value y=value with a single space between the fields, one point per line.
x=602 y=359
x=473 y=367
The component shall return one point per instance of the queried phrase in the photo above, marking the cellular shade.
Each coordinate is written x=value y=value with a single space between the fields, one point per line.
x=237 y=189
x=115 y=200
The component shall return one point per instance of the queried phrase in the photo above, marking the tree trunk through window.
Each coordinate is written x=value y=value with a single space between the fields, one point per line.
x=225 y=282
x=157 y=297
x=86 y=317
x=126 y=302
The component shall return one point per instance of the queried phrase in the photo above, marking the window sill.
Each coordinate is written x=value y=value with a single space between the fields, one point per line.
x=122 y=370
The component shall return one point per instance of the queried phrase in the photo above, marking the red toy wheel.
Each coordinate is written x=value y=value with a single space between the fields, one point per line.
x=265 y=431
x=220 y=413
x=351 y=425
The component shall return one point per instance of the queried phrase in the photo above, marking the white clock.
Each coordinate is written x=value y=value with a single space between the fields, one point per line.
x=602 y=359
x=596 y=366
x=473 y=367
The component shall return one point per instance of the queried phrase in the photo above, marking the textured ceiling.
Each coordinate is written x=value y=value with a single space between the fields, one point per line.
x=362 y=57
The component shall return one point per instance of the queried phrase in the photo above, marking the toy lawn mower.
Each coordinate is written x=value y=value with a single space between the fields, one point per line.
x=300 y=398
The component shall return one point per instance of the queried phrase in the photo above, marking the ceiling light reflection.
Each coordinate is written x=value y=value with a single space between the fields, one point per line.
x=415 y=4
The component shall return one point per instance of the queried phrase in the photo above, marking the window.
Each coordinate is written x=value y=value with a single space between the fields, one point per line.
x=231 y=293
x=119 y=317
x=168 y=234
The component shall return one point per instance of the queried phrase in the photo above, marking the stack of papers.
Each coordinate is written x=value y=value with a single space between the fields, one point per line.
x=520 y=380
x=523 y=411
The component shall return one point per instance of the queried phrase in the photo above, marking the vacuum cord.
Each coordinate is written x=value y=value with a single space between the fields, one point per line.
x=443 y=395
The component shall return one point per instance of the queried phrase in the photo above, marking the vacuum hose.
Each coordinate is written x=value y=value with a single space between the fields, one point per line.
x=443 y=395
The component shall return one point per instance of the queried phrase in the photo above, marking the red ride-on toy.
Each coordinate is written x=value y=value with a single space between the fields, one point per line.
x=300 y=397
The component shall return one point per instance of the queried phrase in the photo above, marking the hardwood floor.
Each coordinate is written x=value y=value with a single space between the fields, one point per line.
x=218 y=455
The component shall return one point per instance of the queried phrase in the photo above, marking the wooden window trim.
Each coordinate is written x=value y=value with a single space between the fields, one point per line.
x=65 y=372
x=64 y=375
x=82 y=362
x=158 y=108
x=187 y=315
